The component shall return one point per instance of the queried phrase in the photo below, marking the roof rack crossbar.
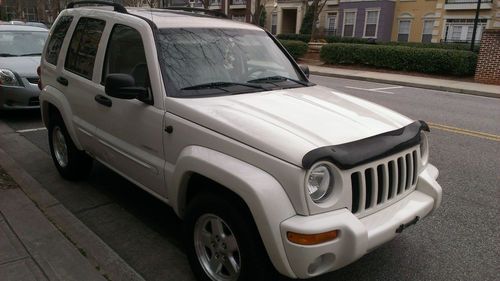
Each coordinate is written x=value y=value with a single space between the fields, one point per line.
x=118 y=7
x=208 y=12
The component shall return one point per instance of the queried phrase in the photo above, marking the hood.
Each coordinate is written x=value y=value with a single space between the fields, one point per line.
x=289 y=123
x=23 y=66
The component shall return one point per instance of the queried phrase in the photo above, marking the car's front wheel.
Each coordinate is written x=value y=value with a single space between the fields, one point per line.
x=72 y=164
x=223 y=243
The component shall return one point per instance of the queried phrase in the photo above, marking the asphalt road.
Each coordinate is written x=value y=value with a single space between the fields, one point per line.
x=461 y=241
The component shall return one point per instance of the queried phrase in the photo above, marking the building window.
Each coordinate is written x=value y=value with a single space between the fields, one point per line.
x=349 y=24
x=404 y=30
x=371 y=23
x=274 y=23
x=460 y=30
x=331 y=24
x=427 y=31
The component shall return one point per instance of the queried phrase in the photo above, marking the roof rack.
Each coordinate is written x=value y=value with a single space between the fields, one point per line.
x=199 y=10
x=118 y=7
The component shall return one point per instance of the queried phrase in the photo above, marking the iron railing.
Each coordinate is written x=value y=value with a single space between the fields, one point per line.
x=466 y=1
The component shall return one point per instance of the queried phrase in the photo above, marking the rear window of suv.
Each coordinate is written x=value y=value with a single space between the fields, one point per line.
x=57 y=38
x=83 y=47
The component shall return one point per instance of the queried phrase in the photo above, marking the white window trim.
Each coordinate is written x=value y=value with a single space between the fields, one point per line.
x=336 y=18
x=409 y=28
x=376 y=26
x=355 y=11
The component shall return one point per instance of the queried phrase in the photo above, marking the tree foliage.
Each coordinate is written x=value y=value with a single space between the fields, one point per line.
x=307 y=21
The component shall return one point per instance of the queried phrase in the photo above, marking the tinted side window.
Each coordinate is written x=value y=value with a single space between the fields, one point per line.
x=125 y=54
x=57 y=38
x=83 y=47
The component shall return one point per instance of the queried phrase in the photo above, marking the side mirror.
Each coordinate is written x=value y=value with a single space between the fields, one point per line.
x=122 y=86
x=304 y=69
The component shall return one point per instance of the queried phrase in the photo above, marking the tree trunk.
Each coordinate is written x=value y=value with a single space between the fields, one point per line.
x=258 y=11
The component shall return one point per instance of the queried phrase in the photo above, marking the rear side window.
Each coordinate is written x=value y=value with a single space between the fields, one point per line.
x=125 y=54
x=57 y=38
x=83 y=47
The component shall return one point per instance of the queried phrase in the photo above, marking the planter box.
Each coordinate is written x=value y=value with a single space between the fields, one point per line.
x=315 y=47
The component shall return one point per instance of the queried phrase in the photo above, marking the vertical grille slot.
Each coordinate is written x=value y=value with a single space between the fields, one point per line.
x=355 y=182
x=393 y=179
x=409 y=171
x=401 y=174
x=415 y=168
x=369 y=187
x=382 y=179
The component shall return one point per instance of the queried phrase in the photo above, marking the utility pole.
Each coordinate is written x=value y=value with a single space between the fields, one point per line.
x=476 y=22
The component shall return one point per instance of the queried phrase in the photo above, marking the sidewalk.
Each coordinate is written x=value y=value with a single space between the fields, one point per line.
x=470 y=88
x=41 y=240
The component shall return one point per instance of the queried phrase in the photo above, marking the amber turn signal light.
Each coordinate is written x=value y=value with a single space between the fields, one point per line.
x=311 y=239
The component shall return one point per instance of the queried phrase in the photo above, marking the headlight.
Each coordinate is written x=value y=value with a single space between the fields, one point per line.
x=8 y=78
x=319 y=182
x=424 y=148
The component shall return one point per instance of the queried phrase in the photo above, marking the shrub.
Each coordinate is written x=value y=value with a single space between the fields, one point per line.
x=425 y=60
x=296 y=48
x=338 y=39
x=292 y=36
x=449 y=46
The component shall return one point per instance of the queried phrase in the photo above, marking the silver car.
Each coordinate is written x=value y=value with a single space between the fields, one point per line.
x=20 y=51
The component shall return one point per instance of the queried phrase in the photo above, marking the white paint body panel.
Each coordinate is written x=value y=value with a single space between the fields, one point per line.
x=252 y=144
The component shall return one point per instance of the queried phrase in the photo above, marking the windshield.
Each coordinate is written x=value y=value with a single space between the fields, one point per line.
x=209 y=61
x=22 y=43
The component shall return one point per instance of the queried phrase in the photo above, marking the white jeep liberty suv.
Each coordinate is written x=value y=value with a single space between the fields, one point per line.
x=269 y=172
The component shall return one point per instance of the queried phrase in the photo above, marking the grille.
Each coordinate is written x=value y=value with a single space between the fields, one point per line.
x=383 y=182
x=33 y=80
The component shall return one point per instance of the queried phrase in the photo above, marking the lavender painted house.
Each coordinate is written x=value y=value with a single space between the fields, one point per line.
x=366 y=19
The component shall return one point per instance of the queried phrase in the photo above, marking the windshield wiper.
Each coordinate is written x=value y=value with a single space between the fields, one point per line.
x=8 y=55
x=30 y=55
x=278 y=78
x=221 y=85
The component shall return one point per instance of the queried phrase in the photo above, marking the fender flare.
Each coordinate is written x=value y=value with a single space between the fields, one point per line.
x=261 y=192
x=53 y=96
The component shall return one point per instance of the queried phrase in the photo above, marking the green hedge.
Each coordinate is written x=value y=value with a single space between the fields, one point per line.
x=338 y=39
x=296 y=48
x=425 y=60
x=292 y=36
x=448 y=46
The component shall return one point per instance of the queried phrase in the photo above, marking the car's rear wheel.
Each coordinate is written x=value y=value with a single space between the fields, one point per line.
x=72 y=164
x=223 y=243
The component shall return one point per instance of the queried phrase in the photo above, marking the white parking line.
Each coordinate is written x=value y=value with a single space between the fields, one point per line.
x=377 y=90
x=31 y=130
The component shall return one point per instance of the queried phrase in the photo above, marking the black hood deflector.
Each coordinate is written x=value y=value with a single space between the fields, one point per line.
x=352 y=154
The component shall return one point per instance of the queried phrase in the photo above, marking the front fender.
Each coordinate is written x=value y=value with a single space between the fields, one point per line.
x=264 y=196
x=50 y=95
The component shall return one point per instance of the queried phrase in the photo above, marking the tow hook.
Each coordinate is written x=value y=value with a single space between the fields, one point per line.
x=406 y=225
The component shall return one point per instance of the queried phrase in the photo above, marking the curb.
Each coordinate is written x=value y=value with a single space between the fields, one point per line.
x=410 y=84
x=99 y=254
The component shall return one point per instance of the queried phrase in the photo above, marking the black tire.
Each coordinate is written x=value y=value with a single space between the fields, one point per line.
x=254 y=262
x=78 y=162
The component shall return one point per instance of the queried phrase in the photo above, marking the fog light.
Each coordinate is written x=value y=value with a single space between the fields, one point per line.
x=321 y=264
x=311 y=239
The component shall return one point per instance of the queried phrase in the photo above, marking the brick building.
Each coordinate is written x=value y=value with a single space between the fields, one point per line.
x=488 y=63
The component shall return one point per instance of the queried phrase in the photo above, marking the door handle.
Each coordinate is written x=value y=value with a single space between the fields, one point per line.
x=63 y=81
x=103 y=100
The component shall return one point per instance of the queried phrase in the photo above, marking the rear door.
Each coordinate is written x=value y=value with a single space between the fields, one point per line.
x=130 y=131
x=78 y=76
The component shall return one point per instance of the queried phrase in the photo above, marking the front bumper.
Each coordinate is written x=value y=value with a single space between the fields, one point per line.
x=19 y=97
x=356 y=236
